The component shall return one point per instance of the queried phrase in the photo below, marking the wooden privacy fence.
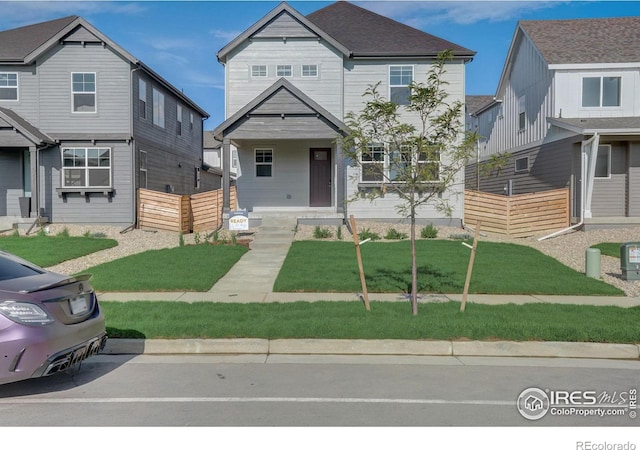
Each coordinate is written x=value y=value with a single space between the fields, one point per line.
x=182 y=213
x=519 y=215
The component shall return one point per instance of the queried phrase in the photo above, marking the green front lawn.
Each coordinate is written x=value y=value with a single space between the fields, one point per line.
x=48 y=251
x=499 y=268
x=186 y=268
x=386 y=320
x=609 y=249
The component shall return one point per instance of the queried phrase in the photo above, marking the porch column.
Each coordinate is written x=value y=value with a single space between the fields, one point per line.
x=226 y=175
x=35 y=193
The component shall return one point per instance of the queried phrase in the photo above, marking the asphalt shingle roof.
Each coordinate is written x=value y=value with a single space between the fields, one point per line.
x=366 y=33
x=17 y=43
x=475 y=103
x=584 y=41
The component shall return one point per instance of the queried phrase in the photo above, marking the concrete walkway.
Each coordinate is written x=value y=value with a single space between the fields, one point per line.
x=251 y=281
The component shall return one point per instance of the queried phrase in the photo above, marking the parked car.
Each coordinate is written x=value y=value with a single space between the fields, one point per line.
x=48 y=322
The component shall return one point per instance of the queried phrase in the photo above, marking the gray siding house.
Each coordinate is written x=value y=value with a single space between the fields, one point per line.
x=566 y=110
x=83 y=124
x=290 y=81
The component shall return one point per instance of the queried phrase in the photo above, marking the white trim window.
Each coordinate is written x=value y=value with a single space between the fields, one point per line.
x=522 y=164
x=372 y=162
x=264 y=162
x=142 y=99
x=86 y=167
x=400 y=77
x=158 y=108
x=143 y=169
x=179 y=120
x=284 y=70
x=8 y=86
x=83 y=92
x=601 y=92
x=522 y=112
x=309 y=70
x=259 y=71
x=603 y=162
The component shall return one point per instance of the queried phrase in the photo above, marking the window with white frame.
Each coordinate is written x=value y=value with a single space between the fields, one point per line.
x=309 y=70
x=142 y=98
x=400 y=77
x=264 y=162
x=8 y=86
x=259 y=70
x=372 y=162
x=522 y=164
x=86 y=167
x=158 y=108
x=143 y=169
x=522 y=112
x=397 y=166
x=601 y=91
x=284 y=70
x=83 y=92
x=603 y=162
x=179 y=120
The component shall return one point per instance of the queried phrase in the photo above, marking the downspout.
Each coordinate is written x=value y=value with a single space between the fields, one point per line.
x=37 y=193
x=586 y=161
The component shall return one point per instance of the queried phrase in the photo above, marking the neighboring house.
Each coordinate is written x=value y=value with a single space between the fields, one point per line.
x=83 y=124
x=291 y=80
x=567 y=111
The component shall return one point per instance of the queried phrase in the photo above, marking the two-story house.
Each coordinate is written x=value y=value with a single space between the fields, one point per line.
x=291 y=80
x=567 y=112
x=83 y=124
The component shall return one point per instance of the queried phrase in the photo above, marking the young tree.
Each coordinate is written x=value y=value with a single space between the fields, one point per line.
x=416 y=151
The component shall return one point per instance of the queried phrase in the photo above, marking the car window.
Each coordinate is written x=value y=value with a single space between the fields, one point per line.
x=10 y=269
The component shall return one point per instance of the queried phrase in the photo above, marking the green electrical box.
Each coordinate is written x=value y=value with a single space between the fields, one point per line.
x=630 y=260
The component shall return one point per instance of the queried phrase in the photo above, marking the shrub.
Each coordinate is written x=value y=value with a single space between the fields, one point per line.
x=339 y=234
x=322 y=233
x=429 y=232
x=394 y=234
x=181 y=240
x=368 y=234
x=461 y=237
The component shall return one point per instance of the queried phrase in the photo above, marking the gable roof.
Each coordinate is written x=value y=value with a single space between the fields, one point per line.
x=367 y=34
x=24 y=127
x=476 y=103
x=25 y=44
x=354 y=31
x=281 y=12
x=18 y=43
x=304 y=106
x=585 y=41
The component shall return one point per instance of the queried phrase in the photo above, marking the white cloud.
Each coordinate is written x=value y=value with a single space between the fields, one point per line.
x=421 y=13
x=224 y=35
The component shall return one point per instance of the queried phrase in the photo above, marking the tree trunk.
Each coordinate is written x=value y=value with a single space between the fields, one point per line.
x=414 y=265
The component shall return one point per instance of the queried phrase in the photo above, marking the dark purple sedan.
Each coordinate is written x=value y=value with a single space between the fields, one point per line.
x=48 y=322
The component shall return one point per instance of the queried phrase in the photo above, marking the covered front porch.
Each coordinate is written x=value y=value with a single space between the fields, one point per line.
x=289 y=159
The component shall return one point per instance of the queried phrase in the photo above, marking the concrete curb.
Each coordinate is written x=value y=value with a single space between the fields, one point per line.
x=385 y=347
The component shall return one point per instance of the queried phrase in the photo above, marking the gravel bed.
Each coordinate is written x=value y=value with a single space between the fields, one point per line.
x=569 y=248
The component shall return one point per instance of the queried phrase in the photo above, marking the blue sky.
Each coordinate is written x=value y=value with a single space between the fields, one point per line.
x=180 y=39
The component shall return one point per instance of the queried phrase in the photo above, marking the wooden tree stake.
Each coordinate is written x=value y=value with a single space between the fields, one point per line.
x=470 y=269
x=363 y=281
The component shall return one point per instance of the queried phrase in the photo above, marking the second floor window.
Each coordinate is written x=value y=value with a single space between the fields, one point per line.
x=259 y=70
x=142 y=99
x=601 y=91
x=309 y=70
x=8 y=86
x=158 y=108
x=86 y=167
x=83 y=91
x=284 y=70
x=400 y=77
x=179 y=122
x=522 y=112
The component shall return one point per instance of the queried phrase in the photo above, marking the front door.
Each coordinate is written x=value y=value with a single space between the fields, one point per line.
x=320 y=177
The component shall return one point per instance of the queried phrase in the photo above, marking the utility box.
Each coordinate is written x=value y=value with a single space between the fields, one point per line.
x=630 y=260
